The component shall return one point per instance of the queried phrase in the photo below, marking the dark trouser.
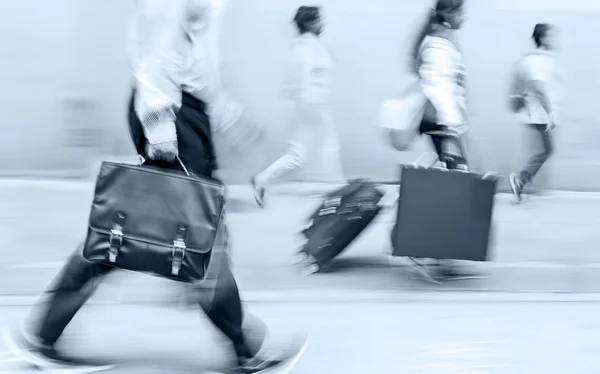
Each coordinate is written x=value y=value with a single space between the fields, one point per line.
x=78 y=278
x=543 y=148
x=459 y=156
x=194 y=136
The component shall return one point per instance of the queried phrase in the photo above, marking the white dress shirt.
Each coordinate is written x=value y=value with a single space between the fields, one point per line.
x=169 y=51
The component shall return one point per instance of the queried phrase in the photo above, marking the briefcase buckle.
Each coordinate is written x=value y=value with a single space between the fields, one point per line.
x=115 y=240
x=178 y=256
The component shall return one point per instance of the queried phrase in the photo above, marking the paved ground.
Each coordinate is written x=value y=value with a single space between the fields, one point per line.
x=349 y=338
x=548 y=244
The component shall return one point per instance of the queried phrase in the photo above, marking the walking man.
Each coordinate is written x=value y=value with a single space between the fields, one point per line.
x=175 y=92
x=536 y=97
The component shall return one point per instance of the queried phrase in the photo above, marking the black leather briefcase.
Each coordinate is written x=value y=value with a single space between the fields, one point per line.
x=155 y=221
x=444 y=214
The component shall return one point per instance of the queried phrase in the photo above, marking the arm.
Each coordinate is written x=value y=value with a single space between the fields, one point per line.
x=438 y=80
x=538 y=88
x=202 y=78
x=158 y=77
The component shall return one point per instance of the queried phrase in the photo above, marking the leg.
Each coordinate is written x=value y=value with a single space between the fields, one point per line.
x=542 y=153
x=223 y=306
x=72 y=288
x=543 y=149
x=66 y=295
x=294 y=159
x=450 y=149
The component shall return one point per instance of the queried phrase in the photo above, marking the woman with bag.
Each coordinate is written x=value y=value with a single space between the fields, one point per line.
x=436 y=105
x=437 y=60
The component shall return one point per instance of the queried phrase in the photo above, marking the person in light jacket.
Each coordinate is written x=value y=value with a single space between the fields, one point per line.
x=176 y=105
x=437 y=61
x=538 y=73
x=308 y=84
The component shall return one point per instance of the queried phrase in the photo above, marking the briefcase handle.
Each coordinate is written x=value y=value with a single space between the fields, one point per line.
x=144 y=159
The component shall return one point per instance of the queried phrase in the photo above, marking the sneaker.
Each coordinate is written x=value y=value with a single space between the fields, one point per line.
x=45 y=357
x=281 y=361
x=259 y=192
x=516 y=186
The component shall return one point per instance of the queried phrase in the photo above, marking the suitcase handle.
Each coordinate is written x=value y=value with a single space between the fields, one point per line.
x=144 y=159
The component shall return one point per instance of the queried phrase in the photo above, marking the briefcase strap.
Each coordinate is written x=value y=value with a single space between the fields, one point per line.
x=178 y=250
x=116 y=237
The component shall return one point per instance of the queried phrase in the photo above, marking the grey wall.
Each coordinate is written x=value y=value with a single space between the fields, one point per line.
x=65 y=81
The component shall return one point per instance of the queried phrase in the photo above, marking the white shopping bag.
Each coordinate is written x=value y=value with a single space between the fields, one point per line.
x=400 y=117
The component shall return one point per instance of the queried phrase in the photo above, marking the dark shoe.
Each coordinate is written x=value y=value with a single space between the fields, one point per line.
x=45 y=357
x=516 y=186
x=259 y=192
x=281 y=360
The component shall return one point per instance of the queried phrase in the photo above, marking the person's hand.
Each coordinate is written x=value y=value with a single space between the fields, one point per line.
x=163 y=151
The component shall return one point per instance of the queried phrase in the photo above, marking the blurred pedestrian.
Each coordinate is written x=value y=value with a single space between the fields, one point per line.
x=534 y=98
x=309 y=85
x=175 y=93
x=436 y=59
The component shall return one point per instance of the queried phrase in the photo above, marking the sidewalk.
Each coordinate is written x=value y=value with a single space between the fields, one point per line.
x=348 y=338
x=547 y=245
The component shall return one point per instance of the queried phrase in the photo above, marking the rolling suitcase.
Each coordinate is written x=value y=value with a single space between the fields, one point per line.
x=340 y=219
x=443 y=214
